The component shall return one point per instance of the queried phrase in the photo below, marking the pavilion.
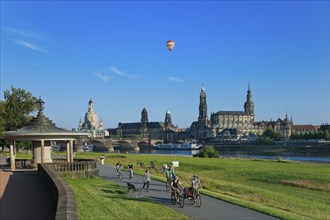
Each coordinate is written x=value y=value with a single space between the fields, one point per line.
x=41 y=131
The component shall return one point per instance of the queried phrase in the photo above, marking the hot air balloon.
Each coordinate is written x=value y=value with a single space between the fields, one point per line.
x=170 y=45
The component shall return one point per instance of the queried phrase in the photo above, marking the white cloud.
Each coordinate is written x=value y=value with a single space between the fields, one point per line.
x=121 y=73
x=171 y=78
x=27 y=39
x=26 y=34
x=103 y=77
x=32 y=63
x=31 y=46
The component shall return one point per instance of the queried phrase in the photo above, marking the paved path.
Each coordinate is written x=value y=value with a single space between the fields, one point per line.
x=24 y=196
x=211 y=208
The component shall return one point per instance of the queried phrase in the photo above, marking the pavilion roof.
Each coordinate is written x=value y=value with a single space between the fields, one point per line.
x=42 y=127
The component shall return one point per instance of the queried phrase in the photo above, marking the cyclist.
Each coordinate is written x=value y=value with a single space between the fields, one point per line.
x=130 y=168
x=169 y=174
x=195 y=185
x=119 y=167
x=164 y=169
x=175 y=186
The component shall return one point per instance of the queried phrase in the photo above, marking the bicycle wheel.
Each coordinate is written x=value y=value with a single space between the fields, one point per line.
x=192 y=200
x=168 y=186
x=173 y=199
x=181 y=201
x=198 y=200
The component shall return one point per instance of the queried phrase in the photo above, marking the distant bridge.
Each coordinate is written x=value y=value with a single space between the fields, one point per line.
x=107 y=144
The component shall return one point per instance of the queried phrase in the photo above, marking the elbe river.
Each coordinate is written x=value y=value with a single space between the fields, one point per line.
x=294 y=153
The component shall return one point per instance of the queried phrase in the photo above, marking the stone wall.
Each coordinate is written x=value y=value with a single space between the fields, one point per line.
x=62 y=194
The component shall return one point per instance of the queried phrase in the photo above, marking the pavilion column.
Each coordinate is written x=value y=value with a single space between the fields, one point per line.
x=71 y=150
x=12 y=158
x=68 y=151
x=42 y=151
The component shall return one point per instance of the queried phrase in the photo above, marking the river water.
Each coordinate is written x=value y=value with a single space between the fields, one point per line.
x=295 y=153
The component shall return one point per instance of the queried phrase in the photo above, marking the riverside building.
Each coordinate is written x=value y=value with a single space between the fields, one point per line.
x=240 y=123
x=144 y=129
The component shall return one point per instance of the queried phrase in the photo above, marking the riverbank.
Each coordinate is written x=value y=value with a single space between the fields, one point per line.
x=101 y=199
x=288 y=190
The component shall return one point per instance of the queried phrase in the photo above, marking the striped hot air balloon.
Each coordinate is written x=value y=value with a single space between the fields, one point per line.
x=170 y=45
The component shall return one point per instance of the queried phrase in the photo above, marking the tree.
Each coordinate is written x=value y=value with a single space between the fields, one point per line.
x=18 y=105
x=15 y=110
x=208 y=152
x=2 y=120
x=272 y=134
x=327 y=135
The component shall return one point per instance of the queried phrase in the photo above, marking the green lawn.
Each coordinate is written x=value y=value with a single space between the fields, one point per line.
x=289 y=190
x=101 y=199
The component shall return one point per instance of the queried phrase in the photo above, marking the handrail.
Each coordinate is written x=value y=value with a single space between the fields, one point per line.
x=79 y=168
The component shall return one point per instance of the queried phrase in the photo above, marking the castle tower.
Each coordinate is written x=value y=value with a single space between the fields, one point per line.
x=249 y=105
x=202 y=118
x=144 y=123
x=168 y=119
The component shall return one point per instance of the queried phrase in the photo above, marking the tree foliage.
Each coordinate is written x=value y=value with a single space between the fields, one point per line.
x=323 y=134
x=18 y=105
x=272 y=134
x=208 y=152
x=16 y=109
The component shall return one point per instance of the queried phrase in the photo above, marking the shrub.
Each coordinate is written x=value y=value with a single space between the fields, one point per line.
x=208 y=152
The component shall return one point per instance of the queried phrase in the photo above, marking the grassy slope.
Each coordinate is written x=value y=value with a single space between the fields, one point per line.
x=101 y=199
x=290 y=190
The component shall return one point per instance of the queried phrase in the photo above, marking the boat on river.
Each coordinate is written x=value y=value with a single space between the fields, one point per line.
x=182 y=146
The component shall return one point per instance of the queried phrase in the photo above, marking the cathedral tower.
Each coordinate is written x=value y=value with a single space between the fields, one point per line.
x=202 y=118
x=248 y=105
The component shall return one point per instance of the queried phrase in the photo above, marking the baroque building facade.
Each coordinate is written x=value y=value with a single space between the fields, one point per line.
x=144 y=129
x=242 y=123
x=91 y=123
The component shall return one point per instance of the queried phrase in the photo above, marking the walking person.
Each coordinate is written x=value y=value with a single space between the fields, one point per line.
x=102 y=159
x=130 y=168
x=146 y=180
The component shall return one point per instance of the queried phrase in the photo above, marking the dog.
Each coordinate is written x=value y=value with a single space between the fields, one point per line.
x=130 y=186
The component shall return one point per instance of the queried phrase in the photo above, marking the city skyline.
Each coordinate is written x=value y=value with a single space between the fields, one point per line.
x=115 y=54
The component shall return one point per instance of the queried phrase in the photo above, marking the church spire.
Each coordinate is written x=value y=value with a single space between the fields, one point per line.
x=248 y=105
x=202 y=118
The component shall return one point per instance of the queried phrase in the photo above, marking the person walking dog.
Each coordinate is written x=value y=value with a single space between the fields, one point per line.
x=146 y=180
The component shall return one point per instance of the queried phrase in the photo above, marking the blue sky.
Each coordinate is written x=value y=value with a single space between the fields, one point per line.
x=114 y=53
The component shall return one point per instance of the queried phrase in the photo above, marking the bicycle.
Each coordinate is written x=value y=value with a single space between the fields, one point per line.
x=195 y=198
x=177 y=197
x=168 y=183
x=119 y=175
